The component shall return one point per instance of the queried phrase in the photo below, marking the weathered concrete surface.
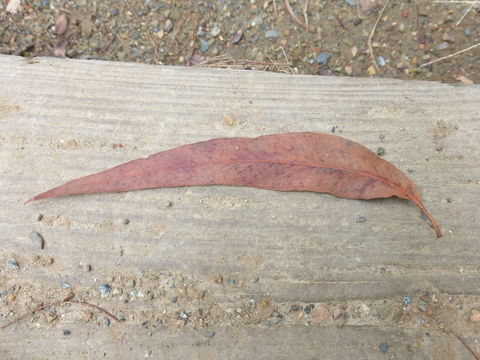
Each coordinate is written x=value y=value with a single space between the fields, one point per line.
x=62 y=119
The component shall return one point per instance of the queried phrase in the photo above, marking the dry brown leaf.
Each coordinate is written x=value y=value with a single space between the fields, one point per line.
x=283 y=162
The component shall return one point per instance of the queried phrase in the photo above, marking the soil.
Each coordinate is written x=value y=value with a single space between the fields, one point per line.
x=258 y=34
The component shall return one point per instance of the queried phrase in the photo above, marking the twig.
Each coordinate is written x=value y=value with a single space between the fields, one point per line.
x=60 y=303
x=123 y=42
x=275 y=67
x=451 y=55
x=275 y=7
x=296 y=19
x=465 y=13
x=340 y=22
x=370 y=48
x=179 y=25
x=358 y=10
x=305 y=13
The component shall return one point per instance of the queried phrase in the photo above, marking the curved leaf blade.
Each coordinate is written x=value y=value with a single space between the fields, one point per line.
x=284 y=162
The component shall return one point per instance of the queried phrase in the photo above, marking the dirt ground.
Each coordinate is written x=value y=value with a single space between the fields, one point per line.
x=251 y=35
x=259 y=34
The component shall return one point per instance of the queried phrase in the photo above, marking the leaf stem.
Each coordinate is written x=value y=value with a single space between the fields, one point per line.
x=428 y=215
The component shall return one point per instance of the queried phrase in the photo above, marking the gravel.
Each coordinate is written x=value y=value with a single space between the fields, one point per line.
x=383 y=347
x=13 y=264
x=323 y=58
x=105 y=290
x=203 y=46
x=406 y=300
x=163 y=33
x=271 y=34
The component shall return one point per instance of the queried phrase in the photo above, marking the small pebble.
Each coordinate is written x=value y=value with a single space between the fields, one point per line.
x=184 y=315
x=168 y=26
x=218 y=279
x=406 y=300
x=237 y=37
x=380 y=151
x=272 y=34
x=360 y=219
x=174 y=299
x=276 y=319
x=215 y=32
x=37 y=239
x=442 y=46
x=257 y=21
x=13 y=264
x=323 y=58
x=357 y=22
x=422 y=306
x=203 y=46
x=105 y=289
x=308 y=308
x=200 y=32
x=39 y=217
x=354 y=51
x=381 y=61
x=106 y=322
x=65 y=285
x=126 y=221
x=66 y=332
x=383 y=347
x=351 y=2
x=210 y=334
x=169 y=204
x=253 y=302
x=468 y=31
x=232 y=282
x=134 y=292
x=421 y=37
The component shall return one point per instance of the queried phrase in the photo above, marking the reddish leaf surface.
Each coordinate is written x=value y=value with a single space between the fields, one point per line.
x=284 y=162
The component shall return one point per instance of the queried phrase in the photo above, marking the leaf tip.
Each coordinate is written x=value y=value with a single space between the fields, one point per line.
x=30 y=200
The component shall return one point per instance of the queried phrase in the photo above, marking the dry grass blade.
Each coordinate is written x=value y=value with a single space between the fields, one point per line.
x=224 y=62
x=465 y=13
x=451 y=55
x=296 y=19
x=370 y=48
